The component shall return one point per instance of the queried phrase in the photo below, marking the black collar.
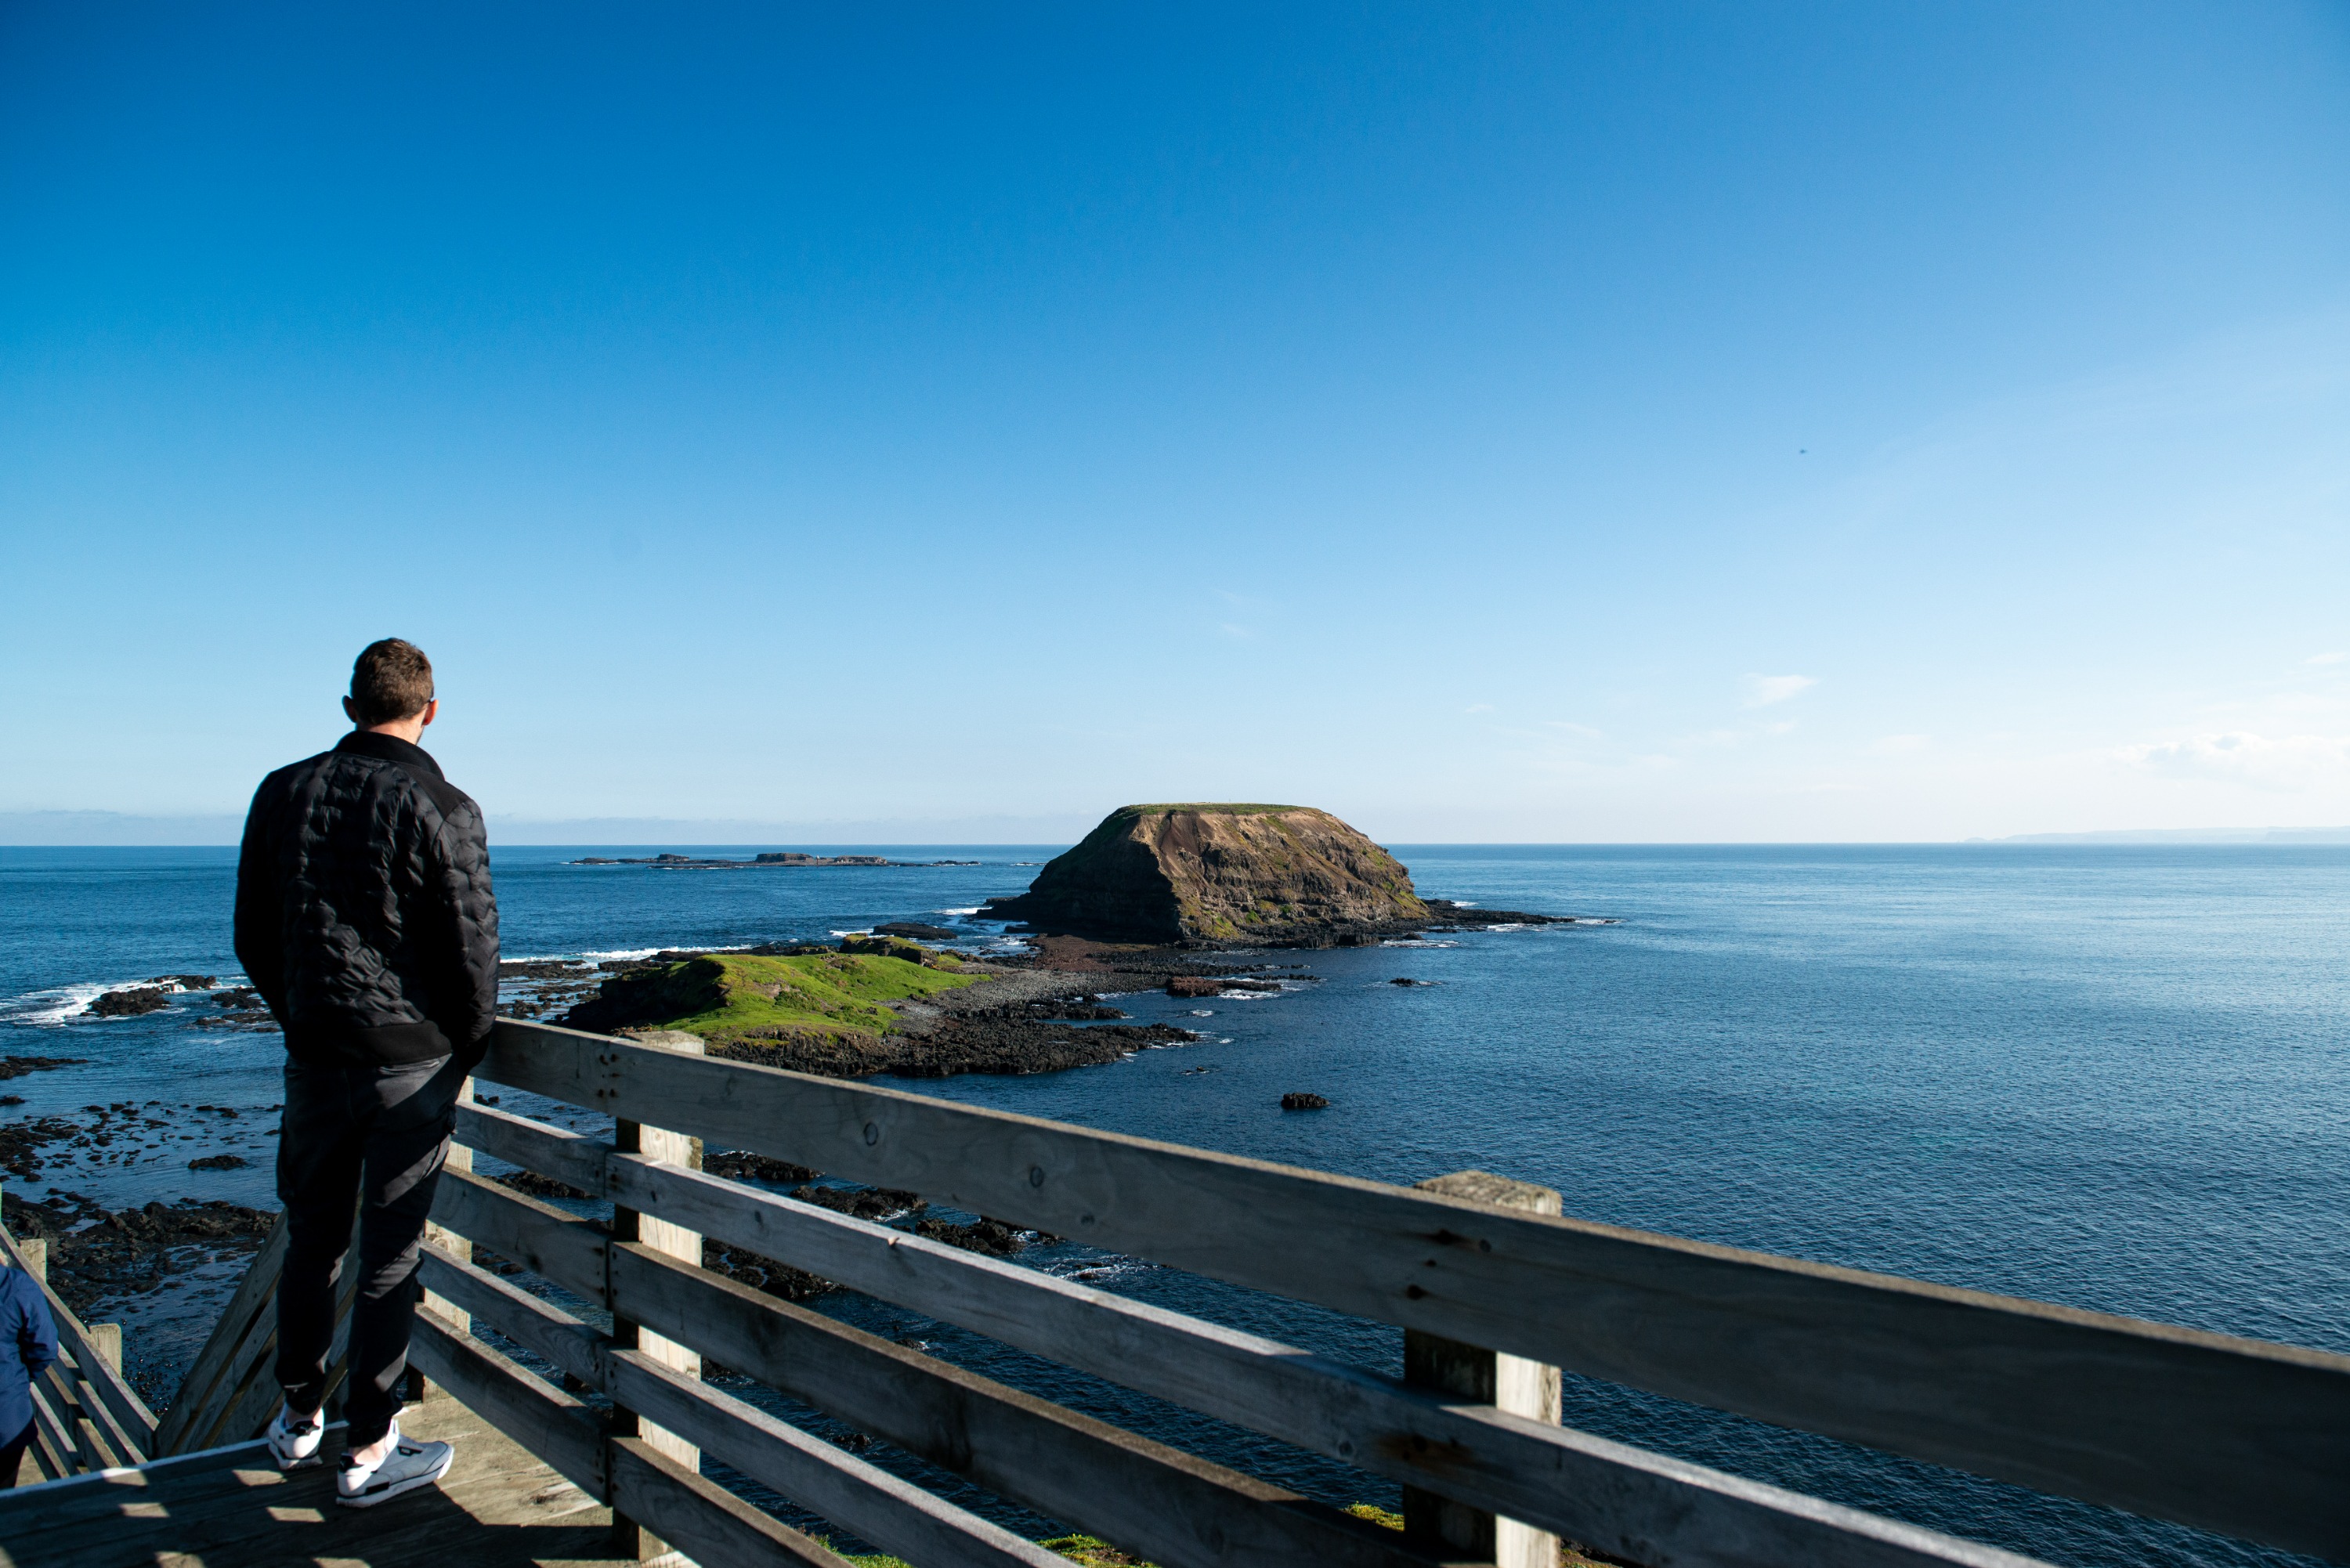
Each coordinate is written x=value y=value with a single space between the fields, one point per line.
x=390 y=749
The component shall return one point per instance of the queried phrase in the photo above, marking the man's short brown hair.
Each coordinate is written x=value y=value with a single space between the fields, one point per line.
x=393 y=680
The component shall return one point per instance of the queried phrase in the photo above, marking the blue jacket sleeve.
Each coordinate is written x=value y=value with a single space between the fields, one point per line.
x=36 y=1331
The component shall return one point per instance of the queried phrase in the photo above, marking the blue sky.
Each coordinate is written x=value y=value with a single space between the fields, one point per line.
x=920 y=423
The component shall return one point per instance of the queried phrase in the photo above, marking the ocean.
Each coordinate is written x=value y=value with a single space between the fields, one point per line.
x=2117 y=1077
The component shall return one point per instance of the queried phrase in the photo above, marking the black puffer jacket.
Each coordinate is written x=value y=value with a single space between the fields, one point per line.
x=364 y=915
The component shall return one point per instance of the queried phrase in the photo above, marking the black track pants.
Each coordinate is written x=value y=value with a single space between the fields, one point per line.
x=381 y=1133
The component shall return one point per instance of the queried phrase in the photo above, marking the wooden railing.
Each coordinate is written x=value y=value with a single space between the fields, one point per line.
x=86 y=1417
x=2248 y=1439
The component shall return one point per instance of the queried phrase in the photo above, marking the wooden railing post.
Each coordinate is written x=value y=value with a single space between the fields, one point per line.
x=1510 y=1383
x=672 y=1241
x=34 y=1250
x=459 y=1158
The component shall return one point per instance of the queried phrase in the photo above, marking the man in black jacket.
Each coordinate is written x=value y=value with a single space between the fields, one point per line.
x=364 y=917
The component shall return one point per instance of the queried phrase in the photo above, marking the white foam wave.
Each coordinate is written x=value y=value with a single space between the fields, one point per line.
x=973 y=911
x=49 y=1008
x=859 y=931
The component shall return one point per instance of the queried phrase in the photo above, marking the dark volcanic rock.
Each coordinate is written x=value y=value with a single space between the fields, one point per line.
x=539 y=1186
x=95 y=1254
x=128 y=1003
x=17 y=1067
x=1221 y=875
x=1300 y=1102
x=185 y=981
x=220 y=1162
x=918 y=930
x=738 y=1166
x=1448 y=915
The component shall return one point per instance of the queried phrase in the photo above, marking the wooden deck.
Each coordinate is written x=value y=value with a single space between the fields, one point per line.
x=497 y=1507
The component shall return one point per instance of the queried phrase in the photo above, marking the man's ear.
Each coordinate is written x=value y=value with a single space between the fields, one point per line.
x=349 y=712
x=431 y=711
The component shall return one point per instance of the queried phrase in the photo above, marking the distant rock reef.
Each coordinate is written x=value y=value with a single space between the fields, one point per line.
x=1222 y=875
x=757 y=863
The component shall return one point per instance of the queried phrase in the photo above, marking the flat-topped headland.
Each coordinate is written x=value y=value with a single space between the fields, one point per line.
x=1232 y=876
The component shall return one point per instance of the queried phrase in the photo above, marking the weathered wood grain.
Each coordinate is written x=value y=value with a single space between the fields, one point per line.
x=554 y=1151
x=123 y=1418
x=538 y=1236
x=2234 y=1435
x=549 y=1424
x=1150 y=1499
x=709 y=1524
x=237 y=1320
x=822 y=1478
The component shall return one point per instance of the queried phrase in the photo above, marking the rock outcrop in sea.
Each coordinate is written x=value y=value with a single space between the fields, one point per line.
x=1283 y=875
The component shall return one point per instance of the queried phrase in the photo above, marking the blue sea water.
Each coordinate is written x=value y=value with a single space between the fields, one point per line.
x=2113 y=1077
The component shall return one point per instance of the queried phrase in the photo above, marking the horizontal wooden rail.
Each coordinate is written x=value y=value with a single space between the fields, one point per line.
x=897 y=1517
x=1608 y=1495
x=2227 y=1434
x=1152 y=1500
x=122 y=1417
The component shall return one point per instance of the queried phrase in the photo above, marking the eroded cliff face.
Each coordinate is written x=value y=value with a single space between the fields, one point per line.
x=1279 y=874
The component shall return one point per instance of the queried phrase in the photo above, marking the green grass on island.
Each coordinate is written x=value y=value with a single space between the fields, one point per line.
x=742 y=996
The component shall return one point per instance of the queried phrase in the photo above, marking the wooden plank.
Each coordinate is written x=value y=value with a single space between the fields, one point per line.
x=538 y=1326
x=673 y=1240
x=1471 y=1375
x=895 y=1515
x=126 y=1419
x=248 y=1394
x=1149 y=1500
x=554 y=1151
x=899 y=1517
x=1603 y=1494
x=548 y=1423
x=120 y=1447
x=458 y=1157
x=538 y=1236
x=257 y=1289
x=250 y=1367
x=2226 y=1434
x=709 y=1524
x=91 y=1448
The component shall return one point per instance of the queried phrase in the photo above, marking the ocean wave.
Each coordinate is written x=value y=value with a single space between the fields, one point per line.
x=50 y=1007
x=973 y=911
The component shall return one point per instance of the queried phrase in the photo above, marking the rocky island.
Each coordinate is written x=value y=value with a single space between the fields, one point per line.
x=1208 y=875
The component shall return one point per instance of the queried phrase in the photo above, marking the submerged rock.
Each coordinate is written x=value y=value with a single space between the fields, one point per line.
x=1303 y=1102
x=1221 y=875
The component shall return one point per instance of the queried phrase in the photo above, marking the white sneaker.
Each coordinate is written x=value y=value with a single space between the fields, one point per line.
x=293 y=1439
x=404 y=1467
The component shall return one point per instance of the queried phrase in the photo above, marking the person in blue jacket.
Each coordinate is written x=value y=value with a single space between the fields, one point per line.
x=28 y=1342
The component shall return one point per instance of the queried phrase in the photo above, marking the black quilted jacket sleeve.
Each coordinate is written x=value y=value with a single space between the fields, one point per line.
x=364 y=915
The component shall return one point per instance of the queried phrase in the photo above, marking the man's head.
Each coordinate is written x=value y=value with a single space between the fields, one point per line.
x=391 y=689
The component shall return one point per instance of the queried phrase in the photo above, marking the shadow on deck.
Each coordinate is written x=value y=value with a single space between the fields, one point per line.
x=497 y=1506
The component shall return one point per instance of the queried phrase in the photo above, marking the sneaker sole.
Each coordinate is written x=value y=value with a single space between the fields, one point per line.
x=308 y=1462
x=371 y=1498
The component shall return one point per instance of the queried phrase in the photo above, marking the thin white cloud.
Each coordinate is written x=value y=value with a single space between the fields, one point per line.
x=2242 y=757
x=2325 y=657
x=1761 y=690
x=1898 y=746
x=1479 y=708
